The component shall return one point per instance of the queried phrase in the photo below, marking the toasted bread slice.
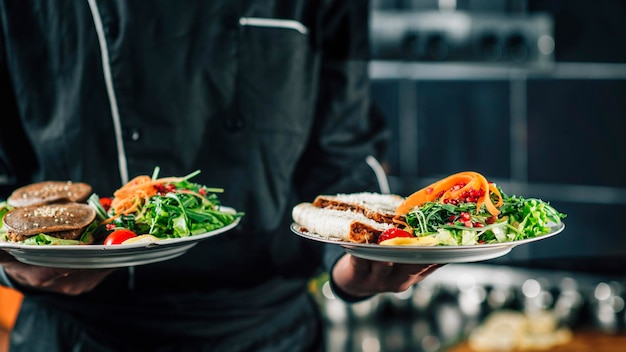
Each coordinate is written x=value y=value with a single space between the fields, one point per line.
x=47 y=192
x=346 y=225
x=63 y=220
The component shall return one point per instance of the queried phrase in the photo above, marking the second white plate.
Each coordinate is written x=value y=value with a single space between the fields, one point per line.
x=426 y=255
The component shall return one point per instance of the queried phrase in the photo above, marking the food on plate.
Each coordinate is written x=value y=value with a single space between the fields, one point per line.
x=466 y=209
x=168 y=207
x=147 y=207
x=392 y=233
x=376 y=206
x=344 y=225
x=141 y=239
x=47 y=192
x=119 y=237
x=461 y=209
x=509 y=330
x=357 y=217
x=462 y=187
x=58 y=223
x=398 y=237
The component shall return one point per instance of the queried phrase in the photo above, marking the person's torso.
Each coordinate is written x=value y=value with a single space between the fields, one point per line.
x=225 y=87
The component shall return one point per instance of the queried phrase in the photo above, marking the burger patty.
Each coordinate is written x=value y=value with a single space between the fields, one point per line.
x=13 y=236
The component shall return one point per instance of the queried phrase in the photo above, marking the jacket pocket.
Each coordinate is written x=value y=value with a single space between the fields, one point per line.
x=274 y=23
x=275 y=77
x=275 y=93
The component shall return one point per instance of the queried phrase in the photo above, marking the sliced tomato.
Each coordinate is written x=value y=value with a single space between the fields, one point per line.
x=119 y=236
x=393 y=233
x=106 y=203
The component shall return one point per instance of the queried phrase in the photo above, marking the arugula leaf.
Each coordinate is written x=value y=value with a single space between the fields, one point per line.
x=519 y=219
x=185 y=209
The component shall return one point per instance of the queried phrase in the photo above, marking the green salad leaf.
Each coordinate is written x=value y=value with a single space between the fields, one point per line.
x=179 y=209
x=4 y=208
x=461 y=223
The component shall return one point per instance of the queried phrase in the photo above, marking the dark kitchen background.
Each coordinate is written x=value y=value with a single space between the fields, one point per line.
x=532 y=94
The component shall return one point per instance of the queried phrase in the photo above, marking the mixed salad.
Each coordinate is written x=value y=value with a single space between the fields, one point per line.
x=148 y=209
x=151 y=208
x=466 y=209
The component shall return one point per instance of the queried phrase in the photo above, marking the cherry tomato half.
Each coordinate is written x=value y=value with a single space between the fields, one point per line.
x=119 y=236
x=106 y=203
x=393 y=233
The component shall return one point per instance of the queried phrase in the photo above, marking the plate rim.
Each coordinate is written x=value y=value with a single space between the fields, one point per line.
x=68 y=261
x=556 y=229
x=124 y=247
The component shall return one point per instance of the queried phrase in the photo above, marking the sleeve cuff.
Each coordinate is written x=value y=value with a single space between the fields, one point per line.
x=332 y=255
x=346 y=297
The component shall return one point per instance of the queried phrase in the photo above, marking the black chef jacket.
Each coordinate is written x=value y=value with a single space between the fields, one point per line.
x=269 y=99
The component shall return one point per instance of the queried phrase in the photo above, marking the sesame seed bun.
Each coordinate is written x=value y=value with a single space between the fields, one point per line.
x=47 y=192
x=61 y=220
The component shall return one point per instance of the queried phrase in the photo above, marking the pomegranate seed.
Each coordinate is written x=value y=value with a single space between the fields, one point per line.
x=465 y=216
x=429 y=190
x=467 y=223
x=478 y=224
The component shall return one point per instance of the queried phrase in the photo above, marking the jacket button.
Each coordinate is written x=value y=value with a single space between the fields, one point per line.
x=133 y=134
x=233 y=125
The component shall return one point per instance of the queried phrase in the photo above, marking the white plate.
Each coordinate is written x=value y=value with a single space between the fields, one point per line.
x=426 y=255
x=113 y=256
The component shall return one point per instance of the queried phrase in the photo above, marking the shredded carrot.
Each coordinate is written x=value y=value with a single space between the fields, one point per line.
x=134 y=194
x=450 y=188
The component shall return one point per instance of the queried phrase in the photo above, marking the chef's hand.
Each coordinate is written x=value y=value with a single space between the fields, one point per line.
x=66 y=281
x=361 y=277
